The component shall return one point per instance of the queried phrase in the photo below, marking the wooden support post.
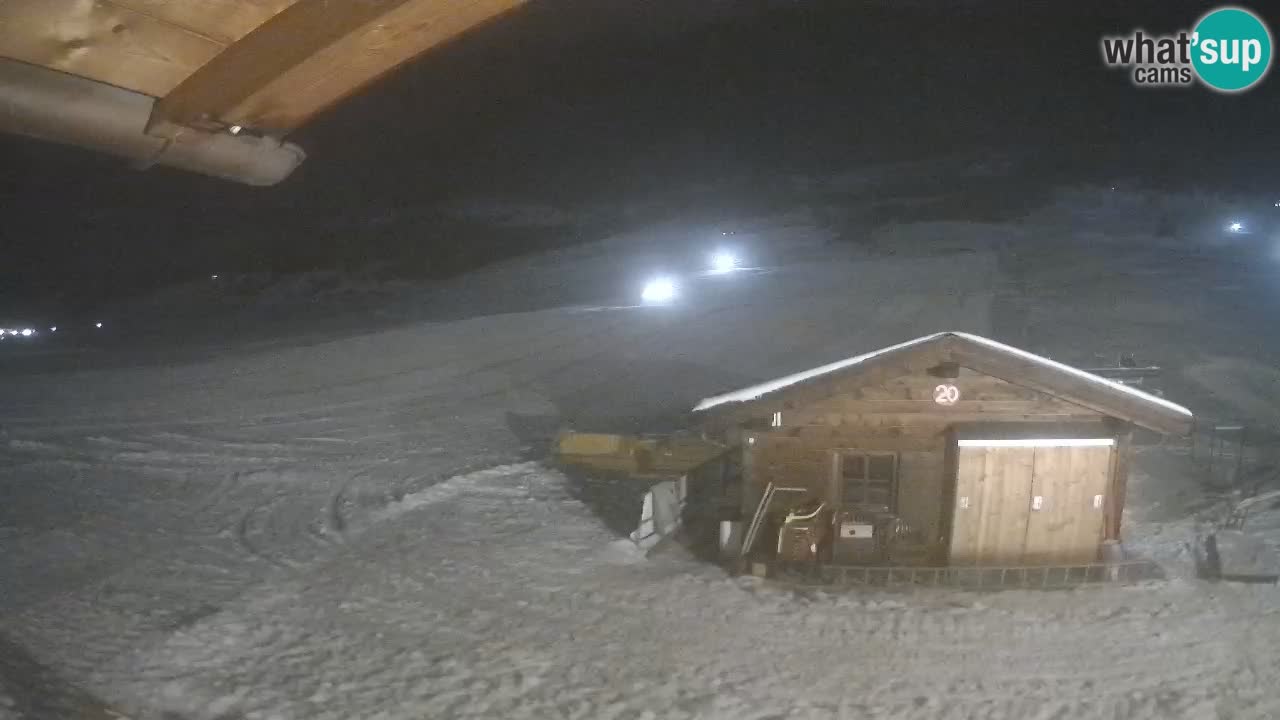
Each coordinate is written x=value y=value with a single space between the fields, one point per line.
x=1119 y=484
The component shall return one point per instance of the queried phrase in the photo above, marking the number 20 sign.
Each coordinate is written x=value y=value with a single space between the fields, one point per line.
x=946 y=394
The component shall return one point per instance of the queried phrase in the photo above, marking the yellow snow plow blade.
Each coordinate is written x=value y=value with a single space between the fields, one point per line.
x=637 y=456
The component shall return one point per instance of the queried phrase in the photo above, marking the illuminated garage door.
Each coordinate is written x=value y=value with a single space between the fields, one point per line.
x=1030 y=502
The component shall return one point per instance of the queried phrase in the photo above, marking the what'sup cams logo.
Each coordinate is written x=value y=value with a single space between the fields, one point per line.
x=1229 y=51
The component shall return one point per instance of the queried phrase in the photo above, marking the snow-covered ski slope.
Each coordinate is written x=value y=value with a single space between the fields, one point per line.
x=348 y=527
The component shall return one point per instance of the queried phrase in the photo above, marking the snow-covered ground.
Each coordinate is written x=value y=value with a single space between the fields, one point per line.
x=495 y=595
x=346 y=521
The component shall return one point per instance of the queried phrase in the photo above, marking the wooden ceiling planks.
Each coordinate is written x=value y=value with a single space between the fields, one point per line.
x=224 y=21
x=312 y=55
x=103 y=41
x=265 y=64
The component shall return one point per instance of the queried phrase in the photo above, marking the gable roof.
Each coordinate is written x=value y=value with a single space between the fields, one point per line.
x=992 y=358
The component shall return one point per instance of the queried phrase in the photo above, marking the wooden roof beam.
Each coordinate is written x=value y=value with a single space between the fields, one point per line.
x=311 y=55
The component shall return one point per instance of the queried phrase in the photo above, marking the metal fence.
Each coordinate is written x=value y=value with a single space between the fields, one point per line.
x=993 y=578
x=1219 y=450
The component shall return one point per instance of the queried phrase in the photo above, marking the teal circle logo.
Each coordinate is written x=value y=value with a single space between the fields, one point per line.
x=1231 y=49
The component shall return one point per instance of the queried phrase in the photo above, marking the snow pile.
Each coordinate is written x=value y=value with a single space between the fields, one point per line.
x=448 y=490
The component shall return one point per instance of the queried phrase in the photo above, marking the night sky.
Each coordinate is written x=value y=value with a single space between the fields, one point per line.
x=591 y=101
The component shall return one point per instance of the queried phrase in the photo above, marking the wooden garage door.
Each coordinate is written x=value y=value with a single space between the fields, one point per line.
x=1073 y=483
x=1019 y=503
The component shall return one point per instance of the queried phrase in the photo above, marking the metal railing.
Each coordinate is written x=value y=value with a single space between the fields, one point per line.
x=994 y=578
x=1219 y=449
x=1239 y=466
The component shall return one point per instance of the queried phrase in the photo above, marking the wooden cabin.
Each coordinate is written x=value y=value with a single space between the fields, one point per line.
x=950 y=449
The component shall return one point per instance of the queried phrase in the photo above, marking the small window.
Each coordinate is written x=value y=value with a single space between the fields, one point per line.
x=869 y=480
x=880 y=467
x=777 y=419
x=854 y=466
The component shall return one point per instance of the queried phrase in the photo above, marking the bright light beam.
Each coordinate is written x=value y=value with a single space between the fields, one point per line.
x=723 y=262
x=659 y=291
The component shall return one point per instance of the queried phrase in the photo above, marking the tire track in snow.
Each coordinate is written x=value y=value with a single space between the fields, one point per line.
x=246 y=527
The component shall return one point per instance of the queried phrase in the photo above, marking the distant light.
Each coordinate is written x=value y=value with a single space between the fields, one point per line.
x=213 y=277
x=723 y=262
x=27 y=332
x=97 y=325
x=235 y=129
x=660 y=290
x=1237 y=227
x=53 y=328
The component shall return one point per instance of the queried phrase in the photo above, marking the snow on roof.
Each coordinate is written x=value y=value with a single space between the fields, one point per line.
x=756 y=391
x=1040 y=360
x=764 y=388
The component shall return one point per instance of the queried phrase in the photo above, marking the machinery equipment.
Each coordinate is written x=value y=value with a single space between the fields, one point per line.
x=805 y=535
x=637 y=456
